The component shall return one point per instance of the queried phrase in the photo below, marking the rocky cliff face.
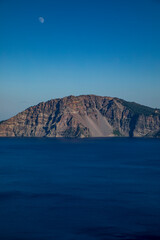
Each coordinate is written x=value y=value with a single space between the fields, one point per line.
x=84 y=116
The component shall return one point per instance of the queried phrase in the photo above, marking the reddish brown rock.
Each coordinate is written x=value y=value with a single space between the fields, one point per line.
x=83 y=116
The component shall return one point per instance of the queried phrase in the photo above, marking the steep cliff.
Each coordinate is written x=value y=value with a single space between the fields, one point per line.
x=84 y=116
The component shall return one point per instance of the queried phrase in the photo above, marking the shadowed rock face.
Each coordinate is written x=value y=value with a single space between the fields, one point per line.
x=84 y=116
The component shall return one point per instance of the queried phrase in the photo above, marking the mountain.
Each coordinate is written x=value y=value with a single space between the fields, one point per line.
x=84 y=116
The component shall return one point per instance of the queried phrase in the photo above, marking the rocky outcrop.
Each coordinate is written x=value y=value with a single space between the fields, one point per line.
x=84 y=116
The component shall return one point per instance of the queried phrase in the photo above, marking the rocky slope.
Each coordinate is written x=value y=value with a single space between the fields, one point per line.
x=84 y=116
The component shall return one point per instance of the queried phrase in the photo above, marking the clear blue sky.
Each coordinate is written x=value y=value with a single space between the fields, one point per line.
x=103 y=47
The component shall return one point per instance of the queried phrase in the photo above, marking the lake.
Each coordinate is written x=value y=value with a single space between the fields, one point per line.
x=79 y=189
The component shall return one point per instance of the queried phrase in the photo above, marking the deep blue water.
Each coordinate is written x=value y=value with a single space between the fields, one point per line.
x=86 y=189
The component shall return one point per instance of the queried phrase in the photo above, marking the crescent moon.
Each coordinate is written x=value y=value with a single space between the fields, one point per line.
x=41 y=19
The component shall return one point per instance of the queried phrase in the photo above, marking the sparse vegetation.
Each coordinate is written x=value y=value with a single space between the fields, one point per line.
x=157 y=134
x=117 y=133
x=138 y=109
x=70 y=132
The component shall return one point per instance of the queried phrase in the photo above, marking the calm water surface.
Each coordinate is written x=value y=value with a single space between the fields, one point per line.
x=87 y=189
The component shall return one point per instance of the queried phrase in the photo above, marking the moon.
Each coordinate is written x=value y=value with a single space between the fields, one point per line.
x=41 y=19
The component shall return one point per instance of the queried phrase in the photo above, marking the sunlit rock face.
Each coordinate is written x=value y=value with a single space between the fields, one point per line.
x=84 y=116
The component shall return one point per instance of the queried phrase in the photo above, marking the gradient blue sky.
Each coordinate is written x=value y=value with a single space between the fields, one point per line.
x=103 y=47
